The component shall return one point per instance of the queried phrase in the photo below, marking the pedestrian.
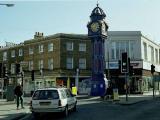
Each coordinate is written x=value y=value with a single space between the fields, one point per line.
x=19 y=92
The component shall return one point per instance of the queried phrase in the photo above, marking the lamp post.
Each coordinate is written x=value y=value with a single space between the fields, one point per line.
x=77 y=78
x=7 y=5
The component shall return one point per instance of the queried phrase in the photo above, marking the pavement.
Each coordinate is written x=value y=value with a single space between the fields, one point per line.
x=8 y=109
x=134 y=98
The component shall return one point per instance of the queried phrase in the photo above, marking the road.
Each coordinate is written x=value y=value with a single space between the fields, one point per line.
x=98 y=110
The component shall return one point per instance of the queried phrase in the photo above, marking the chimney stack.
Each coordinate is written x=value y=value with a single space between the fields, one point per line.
x=38 y=35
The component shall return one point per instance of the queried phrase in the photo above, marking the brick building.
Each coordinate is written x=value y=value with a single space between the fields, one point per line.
x=54 y=59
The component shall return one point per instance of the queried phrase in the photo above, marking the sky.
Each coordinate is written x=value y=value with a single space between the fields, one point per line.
x=20 y=22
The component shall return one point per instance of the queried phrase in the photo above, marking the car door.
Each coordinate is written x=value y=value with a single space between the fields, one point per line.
x=70 y=99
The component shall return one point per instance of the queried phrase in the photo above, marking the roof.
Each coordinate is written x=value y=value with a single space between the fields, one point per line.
x=52 y=88
x=58 y=35
x=97 y=14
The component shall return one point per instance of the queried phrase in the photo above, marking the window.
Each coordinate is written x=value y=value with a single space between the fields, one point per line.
x=69 y=46
x=82 y=47
x=122 y=47
x=30 y=63
x=20 y=52
x=30 y=50
x=5 y=56
x=40 y=64
x=149 y=53
x=13 y=68
x=50 y=64
x=113 y=50
x=132 y=49
x=156 y=55
x=40 y=48
x=50 y=47
x=152 y=54
x=145 y=50
x=13 y=53
x=159 y=56
x=82 y=63
x=127 y=47
x=45 y=94
x=62 y=93
x=117 y=51
x=69 y=63
x=68 y=93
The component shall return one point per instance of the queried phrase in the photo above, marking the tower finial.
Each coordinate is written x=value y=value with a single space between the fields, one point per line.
x=97 y=3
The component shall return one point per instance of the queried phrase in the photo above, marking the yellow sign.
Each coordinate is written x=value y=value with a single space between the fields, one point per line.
x=115 y=94
x=74 y=90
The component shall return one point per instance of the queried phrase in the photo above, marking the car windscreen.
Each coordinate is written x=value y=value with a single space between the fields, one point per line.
x=45 y=95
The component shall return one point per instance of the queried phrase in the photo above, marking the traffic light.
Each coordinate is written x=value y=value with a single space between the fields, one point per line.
x=17 y=68
x=124 y=65
x=32 y=75
x=152 y=68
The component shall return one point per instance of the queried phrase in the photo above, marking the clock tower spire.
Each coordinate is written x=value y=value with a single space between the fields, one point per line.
x=97 y=32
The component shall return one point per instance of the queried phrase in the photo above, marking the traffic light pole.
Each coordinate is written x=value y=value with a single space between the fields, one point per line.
x=152 y=72
x=126 y=82
x=153 y=86
x=2 y=80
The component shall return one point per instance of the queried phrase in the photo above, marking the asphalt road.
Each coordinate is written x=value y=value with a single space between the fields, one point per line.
x=98 y=110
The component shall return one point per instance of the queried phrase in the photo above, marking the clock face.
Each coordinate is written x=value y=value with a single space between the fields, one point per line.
x=95 y=27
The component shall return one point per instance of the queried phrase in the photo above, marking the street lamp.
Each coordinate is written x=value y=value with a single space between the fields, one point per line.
x=77 y=78
x=8 y=5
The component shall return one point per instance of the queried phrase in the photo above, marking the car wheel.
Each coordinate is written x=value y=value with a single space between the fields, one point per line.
x=65 y=112
x=75 y=108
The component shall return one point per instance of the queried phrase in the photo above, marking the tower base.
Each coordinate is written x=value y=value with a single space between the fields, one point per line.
x=98 y=88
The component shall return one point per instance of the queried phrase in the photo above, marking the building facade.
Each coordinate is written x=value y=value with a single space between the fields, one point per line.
x=142 y=53
x=59 y=58
x=55 y=60
x=9 y=56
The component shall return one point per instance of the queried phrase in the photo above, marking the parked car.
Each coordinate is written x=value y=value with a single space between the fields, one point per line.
x=56 y=99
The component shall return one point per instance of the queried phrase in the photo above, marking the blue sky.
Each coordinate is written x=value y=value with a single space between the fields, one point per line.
x=20 y=22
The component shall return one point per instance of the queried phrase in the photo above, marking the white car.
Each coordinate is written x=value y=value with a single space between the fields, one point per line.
x=52 y=100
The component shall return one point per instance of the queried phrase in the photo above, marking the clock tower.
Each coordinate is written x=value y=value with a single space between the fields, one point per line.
x=97 y=32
